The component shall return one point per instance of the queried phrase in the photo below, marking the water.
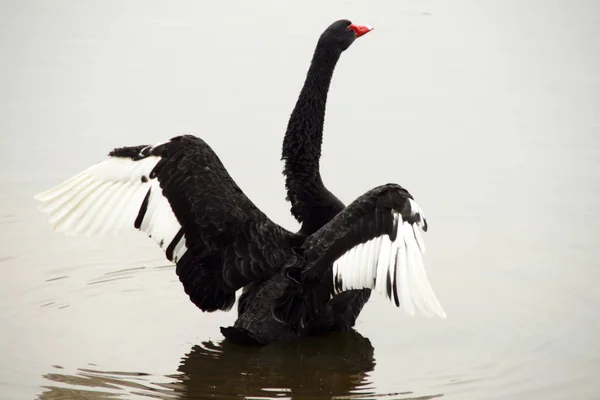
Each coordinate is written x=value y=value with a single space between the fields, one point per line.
x=488 y=112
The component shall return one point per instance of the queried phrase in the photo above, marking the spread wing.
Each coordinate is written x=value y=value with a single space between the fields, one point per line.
x=375 y=243
x=179 y=194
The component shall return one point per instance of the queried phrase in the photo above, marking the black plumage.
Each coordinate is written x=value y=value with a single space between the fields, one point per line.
x=180 y=194
x=313 y=205
x=286 y=277
x=230 y=242
x=369 y=216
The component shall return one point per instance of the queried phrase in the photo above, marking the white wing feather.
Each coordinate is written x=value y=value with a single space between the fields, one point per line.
x=381 y=264
x=106 y=198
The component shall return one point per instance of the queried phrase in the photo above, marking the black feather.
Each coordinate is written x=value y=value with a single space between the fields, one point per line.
x=142 y=212
x=217 y=221
x=395 y=283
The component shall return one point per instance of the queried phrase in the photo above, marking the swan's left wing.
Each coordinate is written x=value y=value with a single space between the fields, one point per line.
x=375 y=243
x=179 y=194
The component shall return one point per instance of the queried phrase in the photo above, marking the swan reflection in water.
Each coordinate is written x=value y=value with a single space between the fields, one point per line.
x=338 y=364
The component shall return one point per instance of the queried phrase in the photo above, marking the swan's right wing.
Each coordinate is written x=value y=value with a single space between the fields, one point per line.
x=179 y=194
x=375 y=243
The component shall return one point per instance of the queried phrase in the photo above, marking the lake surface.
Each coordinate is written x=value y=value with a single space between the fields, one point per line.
x=487 y=112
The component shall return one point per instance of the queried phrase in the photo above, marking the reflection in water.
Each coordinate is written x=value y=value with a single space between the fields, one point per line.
x=333 y=366
x=96 y=385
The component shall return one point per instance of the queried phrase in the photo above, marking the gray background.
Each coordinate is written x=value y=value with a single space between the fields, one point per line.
x=487 y=111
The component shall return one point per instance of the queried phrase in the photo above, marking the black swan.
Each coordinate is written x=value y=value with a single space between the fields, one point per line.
x=180 y=194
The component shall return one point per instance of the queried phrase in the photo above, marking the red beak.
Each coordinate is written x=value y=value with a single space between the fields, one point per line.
x=361 y=29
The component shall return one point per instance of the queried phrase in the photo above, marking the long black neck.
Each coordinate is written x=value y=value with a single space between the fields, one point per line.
x=304 y=137
x=304 y=134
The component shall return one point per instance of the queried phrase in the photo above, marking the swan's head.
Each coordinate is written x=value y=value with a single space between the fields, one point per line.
x=341 y=34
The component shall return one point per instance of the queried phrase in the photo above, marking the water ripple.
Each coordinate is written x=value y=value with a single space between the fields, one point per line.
x=336 y=366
